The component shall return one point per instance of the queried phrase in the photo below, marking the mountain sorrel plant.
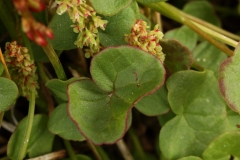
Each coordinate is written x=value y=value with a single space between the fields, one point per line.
x=113 y=79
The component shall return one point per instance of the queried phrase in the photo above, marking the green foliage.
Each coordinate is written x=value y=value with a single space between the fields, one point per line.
x=64 y=37
x=223 y=147
x=192 y=96
x=119 y=25
x=59 y=87
x=176 y=52
x=190 y=158
x=8 y=93
x=150 y=1
x=203 y=10
x=101 y=107
x=203 y=56
x=201 y=114
x=109 y=7
x=228 y=78
x=183 y=35
x=154 y=104
x=40 y=141
x=61 y=125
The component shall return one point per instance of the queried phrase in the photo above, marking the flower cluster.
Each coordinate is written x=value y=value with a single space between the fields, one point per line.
x=145 y=39
x=35 y=31
x=86 y=23
x=21 y=67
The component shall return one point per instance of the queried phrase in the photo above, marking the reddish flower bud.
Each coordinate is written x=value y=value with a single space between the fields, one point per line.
x=36 y=5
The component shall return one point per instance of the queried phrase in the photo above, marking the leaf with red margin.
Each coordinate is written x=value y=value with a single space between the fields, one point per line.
x=121 y=76
x=229 y=79
x=178 y=57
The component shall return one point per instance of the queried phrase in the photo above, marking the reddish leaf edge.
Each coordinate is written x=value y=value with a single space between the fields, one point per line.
x=189 y=65
x=221 y=84
x=128 y=111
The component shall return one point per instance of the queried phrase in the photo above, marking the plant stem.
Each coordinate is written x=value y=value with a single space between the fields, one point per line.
x=102 y=153
x=4 y=65
x=7 y=20
x=174 y=14
x=137 y=144
x=219 y=45
x=42 y=73
x=52 y=56
x=197 y=66
x=69 y=150
x=93 y=148
x=29 y=124
x=217 y=35
x=211 y=26
x=1 y=118
x=124 y=150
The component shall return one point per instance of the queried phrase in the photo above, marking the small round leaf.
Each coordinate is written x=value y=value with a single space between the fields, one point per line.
x=8 y=93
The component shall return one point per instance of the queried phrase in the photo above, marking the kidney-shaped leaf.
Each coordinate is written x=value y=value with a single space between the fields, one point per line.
x=40 y=141
x=200 y=114
x=224 y=146
x=229 y=79
x=59 y=87
x=64 y=37
x=8 y=93
x=60 y=124
x=154 y=104
x=121 y=76
x=119 y=25
x=178 y=57
x=109 y=7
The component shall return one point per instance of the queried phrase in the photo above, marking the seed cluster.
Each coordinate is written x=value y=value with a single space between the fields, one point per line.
x=21 y=67
x=86 y=24
x=145 y=39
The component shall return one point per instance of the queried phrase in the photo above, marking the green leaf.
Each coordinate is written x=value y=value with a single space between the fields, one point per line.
x=190 y=158
x=150 y=1
x=184 y=35
x=8 y=93
x=61 y=124
x=203 y=10
x=178 y=57
x=1 y=68
x=201 y=114
x=64 y=37
x=154 y=104
x=228 y=80
x=208 y=56
x=109 y=7
x=121 y=76
x=163 y=119
x=119 y=25
x=59 y=87
x=223 y=146
x=40 y=141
